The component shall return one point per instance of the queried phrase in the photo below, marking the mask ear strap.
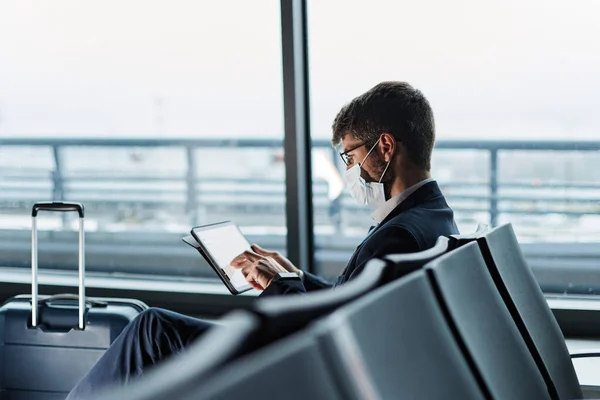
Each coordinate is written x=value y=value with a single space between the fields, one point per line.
x=361 y=163
x=384 y=171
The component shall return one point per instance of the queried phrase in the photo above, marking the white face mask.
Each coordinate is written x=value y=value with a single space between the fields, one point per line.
x=365 y=193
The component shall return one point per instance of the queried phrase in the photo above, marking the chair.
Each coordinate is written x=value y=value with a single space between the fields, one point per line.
x=293 y=368
x=477 y=314
x=395 y=344
x=455 y=241
x=392 y=343
x=528 y=307
x=399 y=265
x=294 y=362
x=271 y=319
x=283 y=315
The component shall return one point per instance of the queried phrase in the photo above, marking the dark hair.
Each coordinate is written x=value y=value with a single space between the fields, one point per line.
x=390 y=107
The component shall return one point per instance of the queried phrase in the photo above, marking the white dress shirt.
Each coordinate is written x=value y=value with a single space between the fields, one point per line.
x=386 y=208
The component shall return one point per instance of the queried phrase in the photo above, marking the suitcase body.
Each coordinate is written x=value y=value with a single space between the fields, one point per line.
x=46 y=351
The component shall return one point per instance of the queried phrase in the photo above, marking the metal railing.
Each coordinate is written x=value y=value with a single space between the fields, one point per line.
x=479 y=190
x=490 y=185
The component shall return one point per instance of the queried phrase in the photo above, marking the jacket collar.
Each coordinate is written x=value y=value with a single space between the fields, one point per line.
x=383 y=210
x=425 y=193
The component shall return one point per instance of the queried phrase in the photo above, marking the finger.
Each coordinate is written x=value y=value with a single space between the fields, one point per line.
x=256 y=285
x=263 y=262
x=246 y=271
x=252 y=256
x=239 y=261
x=244 y=259
x=250 y=275
x=262 y=251
x=255 y=279
x=269 y=261
x=267 y=271
x=262 y=280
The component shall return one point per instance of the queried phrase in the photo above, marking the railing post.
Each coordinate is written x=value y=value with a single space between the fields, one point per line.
x=335 y=208
x=493 y=187
x=58 y=188
x=57 y=178
x=191 y=201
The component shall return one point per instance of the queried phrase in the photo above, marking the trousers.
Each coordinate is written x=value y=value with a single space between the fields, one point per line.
x=153 y=336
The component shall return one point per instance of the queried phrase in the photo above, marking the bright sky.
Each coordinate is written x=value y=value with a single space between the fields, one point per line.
x=519 y=69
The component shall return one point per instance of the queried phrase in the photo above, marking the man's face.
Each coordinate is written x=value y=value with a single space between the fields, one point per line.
x=356 y=151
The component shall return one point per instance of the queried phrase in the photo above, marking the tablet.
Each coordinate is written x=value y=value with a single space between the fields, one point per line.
x=219 y=244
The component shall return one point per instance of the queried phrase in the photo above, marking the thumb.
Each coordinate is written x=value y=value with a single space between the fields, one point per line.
x=261 y=251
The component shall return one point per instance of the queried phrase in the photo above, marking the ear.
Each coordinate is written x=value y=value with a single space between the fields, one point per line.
x=387 y=146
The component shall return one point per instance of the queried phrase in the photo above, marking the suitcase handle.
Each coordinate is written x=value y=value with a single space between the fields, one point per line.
x=57 y=206
x=60 y=207
x=70 y=297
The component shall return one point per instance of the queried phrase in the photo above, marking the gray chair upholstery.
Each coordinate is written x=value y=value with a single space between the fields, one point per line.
x=528 y=307
x=525 y=301
x=283 y=315
x=395 y=344
x=399 y=265
x=293 y=368
x=483 y=325
x=455 y=241
x=241 y=333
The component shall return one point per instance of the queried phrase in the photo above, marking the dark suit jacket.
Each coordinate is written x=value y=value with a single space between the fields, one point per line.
x=414 y=225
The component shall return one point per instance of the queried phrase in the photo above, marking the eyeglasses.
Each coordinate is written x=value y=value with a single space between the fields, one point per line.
x=346 y=157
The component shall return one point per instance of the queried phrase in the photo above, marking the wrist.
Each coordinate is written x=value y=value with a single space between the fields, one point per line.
x=293 y=268
x=286 y=276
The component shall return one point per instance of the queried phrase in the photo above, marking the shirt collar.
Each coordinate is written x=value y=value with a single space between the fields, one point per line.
x=386 y=208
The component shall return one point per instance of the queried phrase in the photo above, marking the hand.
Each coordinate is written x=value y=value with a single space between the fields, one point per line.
x=258 y=270
x=281 y=260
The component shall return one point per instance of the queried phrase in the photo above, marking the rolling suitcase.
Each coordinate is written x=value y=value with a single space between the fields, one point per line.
x=48 y=343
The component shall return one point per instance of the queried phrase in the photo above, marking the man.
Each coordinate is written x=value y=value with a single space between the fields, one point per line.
x=387 y=136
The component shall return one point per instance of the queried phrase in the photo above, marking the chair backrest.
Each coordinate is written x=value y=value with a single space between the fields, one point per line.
x=460 y=240
x=528 y=307
x=481 y=320
x=176 y=376
x=293 y=368
x=284 y=315
x=399 y=265
x=395 y=344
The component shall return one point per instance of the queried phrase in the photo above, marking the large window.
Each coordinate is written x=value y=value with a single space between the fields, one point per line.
x=504 y=78
x=156 y=115
x=163 y=115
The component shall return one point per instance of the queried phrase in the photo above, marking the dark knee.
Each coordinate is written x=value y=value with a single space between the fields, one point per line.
x=149 y=315
x=152 y=312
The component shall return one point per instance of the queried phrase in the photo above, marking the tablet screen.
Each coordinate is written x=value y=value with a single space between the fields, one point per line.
x=223 y=242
